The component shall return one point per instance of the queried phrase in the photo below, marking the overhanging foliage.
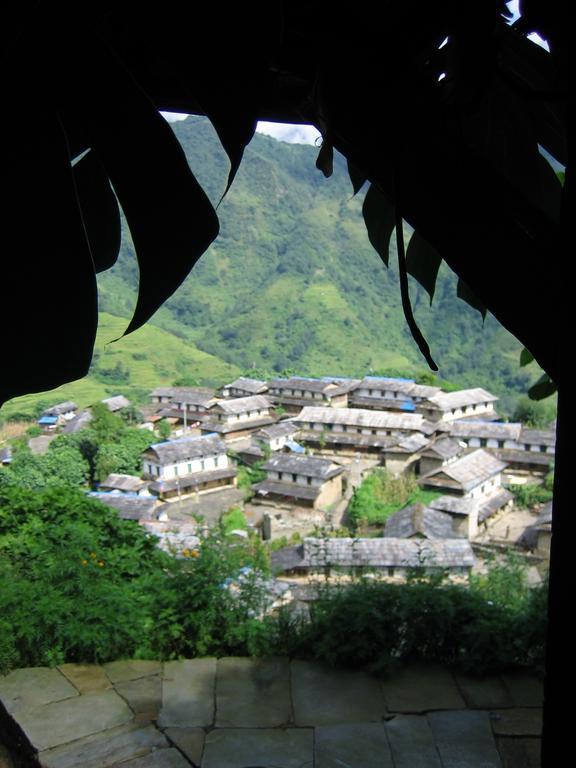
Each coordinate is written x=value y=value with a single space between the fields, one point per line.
x=447 y=134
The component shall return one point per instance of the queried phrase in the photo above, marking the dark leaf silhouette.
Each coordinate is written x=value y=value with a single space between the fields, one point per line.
x=543 y=388
x=526 y=357
x=423 y=263
x=417 y=334
x=379 y=218
x=463 y=292
x=100 y=211
x=357 y=177
x=325 y=159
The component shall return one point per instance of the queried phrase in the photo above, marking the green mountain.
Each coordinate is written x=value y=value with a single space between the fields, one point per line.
x=291 y=283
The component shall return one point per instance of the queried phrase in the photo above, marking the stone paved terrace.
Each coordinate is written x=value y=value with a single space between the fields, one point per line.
x=268 y=713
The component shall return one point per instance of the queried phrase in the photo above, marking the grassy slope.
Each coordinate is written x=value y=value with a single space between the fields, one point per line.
x=163 y=358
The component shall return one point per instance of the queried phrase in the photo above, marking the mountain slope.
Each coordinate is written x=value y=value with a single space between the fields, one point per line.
x=292 y=280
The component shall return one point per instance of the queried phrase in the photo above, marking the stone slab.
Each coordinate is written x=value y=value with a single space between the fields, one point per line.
x=517 y=722
x=33 y=687
x=105 y=748
x=484 y=692
x=520 y=753
x=190 y=741
x=188 y=693
x=86 y=677
x=60 y=722
x=242 y=747
x=526 y=690
x=162 y=758
x=412 y=742
x=322 y=695
x=464 y=739
x=253 y=693
x=421 y=688
x=354 y=745
x=144 y=695
x=122 y=671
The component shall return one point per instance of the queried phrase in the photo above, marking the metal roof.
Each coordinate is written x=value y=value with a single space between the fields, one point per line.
x=254 y=386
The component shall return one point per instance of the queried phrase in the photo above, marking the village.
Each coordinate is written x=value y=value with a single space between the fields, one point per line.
x=304 y=447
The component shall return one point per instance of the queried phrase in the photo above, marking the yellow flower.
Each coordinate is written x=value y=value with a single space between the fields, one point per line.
x=101 y=563
x=84 y=562
x=93 y=555
x=194 y=553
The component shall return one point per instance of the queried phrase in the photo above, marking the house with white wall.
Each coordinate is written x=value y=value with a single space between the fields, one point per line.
x=463 y=404
x=295 y=393
x=386 y=393
x=237 y=418
x=348 y=431
x=307 y=481
x=188 y=465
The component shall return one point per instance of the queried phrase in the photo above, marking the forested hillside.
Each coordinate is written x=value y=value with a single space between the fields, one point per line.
x=293 y=283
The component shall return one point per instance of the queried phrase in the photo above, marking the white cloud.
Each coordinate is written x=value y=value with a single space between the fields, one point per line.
x=173 y=117
x=293 y=134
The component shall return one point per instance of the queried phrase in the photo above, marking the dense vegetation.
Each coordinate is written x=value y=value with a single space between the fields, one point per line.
x=78 y=584
x=381 y=494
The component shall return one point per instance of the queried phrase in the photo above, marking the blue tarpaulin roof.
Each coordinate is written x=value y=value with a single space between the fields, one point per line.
x=48 y=420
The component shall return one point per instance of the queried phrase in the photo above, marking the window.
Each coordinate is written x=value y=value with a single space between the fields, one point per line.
x=294 y=477
x=500 y=443
x=216 y=459
x=542 y=449
x=176 y=470
x=189 y=468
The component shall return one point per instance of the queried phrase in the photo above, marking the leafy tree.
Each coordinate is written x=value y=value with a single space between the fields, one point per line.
x=534 y=413
x=164 y=430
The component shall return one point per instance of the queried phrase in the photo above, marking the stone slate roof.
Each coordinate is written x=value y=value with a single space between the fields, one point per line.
x=360 y=417
x=468 y=472
x=236 y=405
x=538 y=437
x=445 y=449
x=375 y=553
x=410 y=444
x=310 y=385
x=172 y=451
x=310 y=466
x=126 y=483
x=406 y=387
x=522 y=457
x=185 y=482
x=486 y=429
x=545 y=516
x=445 y=401
x=494 y=503
x=291 y=490
x=116 y=403
x=223 y=428
x=80 y=421
x=455 y=505
x=254 y=386
x=130 y=507
x=280 y=429
x=350 y=439
x=418 y=519
x=59 y=408
x=193 y=395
